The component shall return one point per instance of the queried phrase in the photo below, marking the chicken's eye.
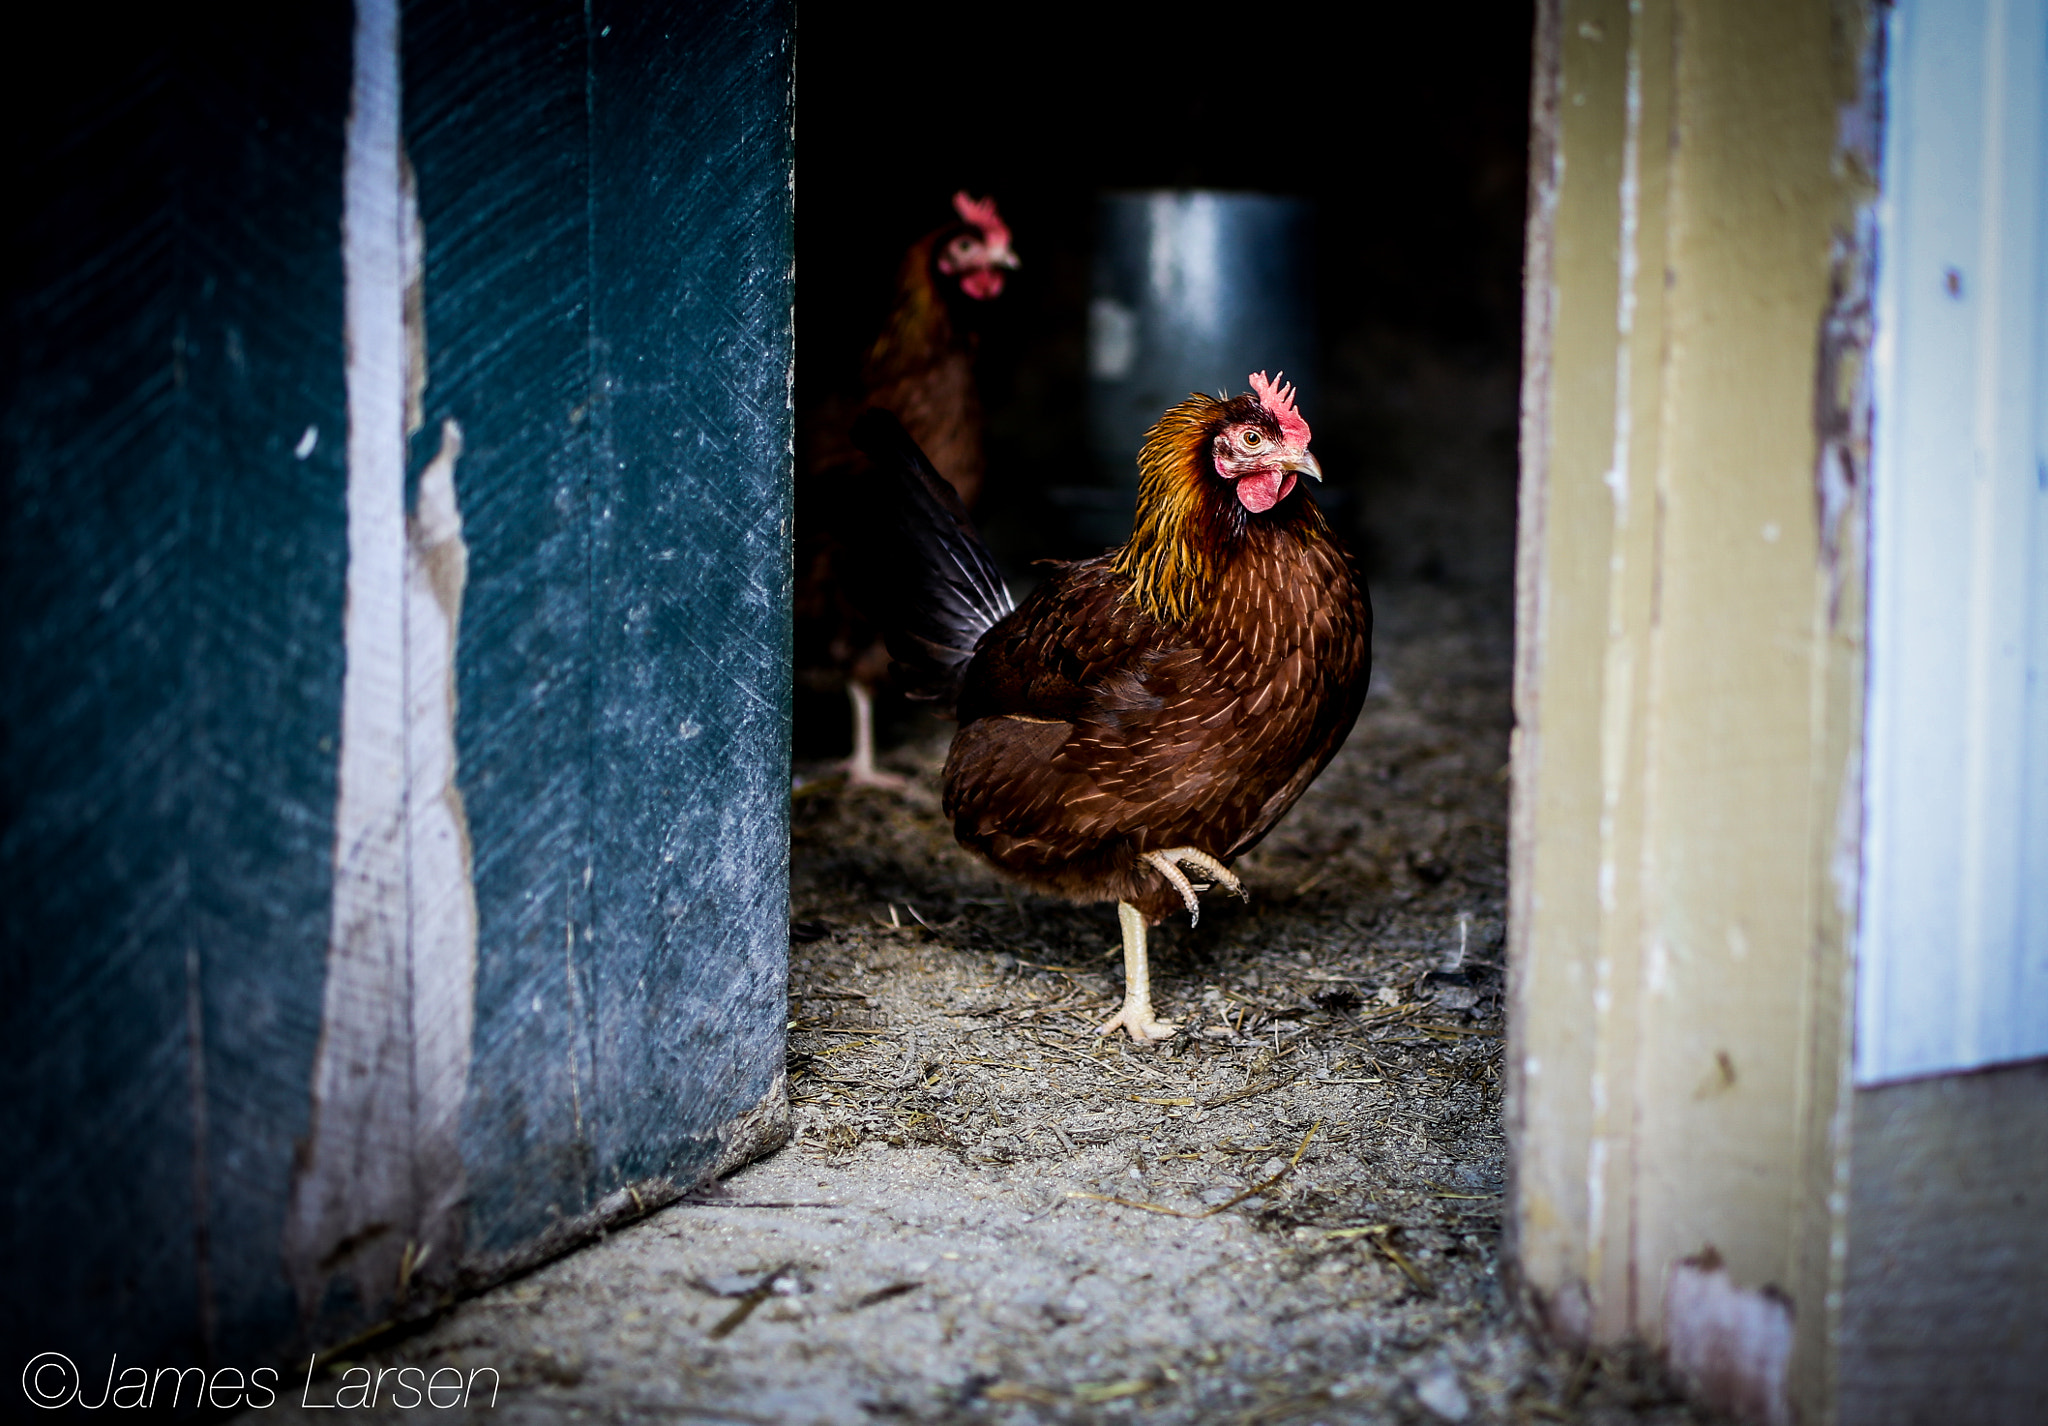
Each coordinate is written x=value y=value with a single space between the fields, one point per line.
x=1251 y=440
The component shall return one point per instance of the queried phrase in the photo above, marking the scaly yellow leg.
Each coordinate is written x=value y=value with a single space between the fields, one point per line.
x=1136 y=1015
x=860 y=768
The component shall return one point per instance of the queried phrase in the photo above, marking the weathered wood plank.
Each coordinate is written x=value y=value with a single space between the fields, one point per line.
x=607 y=292
x=586 y=298
x=692 y=230
x=171 y=575
x=507 y=289
x=263 y=665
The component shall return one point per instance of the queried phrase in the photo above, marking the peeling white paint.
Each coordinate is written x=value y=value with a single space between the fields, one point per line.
x=441 y=898
x=378 y=1183
x=1617 y=476
x=1732 y=1345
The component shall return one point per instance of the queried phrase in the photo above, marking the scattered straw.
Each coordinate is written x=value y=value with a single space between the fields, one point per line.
x=1249 y=1091
x=752 y=1298
x=1286 y=1409
x=1253 y=1192
x=883 y=1294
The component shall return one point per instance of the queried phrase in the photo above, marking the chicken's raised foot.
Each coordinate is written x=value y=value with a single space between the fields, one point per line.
x=1136 y=1015
x=860 y=768
x=1163 y=863
x=1167 y=864
x=1219 y=874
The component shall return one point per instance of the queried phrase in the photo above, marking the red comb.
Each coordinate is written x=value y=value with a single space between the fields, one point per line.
x=982 y=213
x=1279 y=403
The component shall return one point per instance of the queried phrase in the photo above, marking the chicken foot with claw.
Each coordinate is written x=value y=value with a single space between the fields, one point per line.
x=1136 y=1015
x=1166 y=864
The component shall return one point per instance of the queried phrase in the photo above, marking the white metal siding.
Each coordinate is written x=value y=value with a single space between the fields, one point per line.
x=1953 y=959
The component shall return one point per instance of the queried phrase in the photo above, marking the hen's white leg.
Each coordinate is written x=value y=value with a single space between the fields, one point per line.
x=1136 y=1015
x=1166 y=864
x=860 y=768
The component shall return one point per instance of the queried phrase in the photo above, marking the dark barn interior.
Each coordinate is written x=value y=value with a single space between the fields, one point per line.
x=444 y=938
x=1292 y=1209
x=1412 y=150
x=979 y=1209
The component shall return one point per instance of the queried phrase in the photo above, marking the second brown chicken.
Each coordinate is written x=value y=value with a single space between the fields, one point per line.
x=920 y=369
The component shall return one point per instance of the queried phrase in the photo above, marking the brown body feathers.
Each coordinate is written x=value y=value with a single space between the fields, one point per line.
x=1181 y=691
x=920 y=368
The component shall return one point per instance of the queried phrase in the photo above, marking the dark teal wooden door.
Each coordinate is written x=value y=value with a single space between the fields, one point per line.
x=394 y=578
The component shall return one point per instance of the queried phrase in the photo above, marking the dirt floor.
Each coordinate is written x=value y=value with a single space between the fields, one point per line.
x=1290 y=1212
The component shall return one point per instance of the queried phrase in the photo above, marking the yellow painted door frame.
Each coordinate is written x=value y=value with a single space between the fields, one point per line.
x=1689 y=678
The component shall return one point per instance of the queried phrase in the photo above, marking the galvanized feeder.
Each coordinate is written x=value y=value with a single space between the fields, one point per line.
x=1193 y=290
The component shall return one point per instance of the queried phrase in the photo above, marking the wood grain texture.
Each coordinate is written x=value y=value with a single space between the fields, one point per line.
x=378 y=1187
x=608 y=316
x=691 y=233
x=608 y=286
x=507 y=287
x=1690 y=665
x=171 y=575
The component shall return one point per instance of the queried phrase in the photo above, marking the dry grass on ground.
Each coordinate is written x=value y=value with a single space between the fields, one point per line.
x=1291 y=1212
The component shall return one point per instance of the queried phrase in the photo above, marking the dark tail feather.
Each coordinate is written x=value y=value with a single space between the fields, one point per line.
x=914 y=564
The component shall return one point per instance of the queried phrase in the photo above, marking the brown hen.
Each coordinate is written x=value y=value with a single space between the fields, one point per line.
x=920 y=368
x=1154 y=710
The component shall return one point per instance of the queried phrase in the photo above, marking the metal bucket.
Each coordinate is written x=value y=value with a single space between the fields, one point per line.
x=1193 y=290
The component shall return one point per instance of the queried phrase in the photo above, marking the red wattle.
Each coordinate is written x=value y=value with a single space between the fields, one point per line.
x=1260 y=493
x=982 y=283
